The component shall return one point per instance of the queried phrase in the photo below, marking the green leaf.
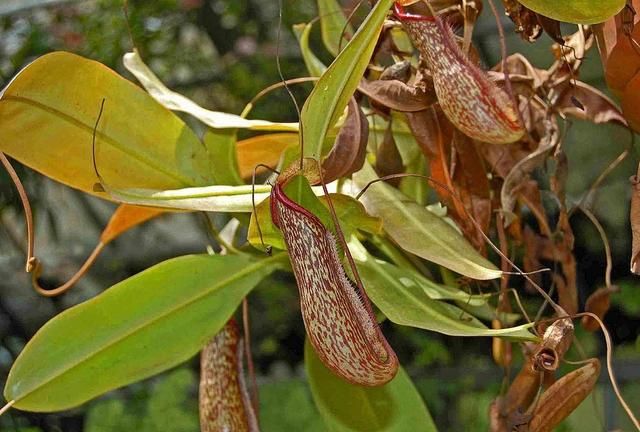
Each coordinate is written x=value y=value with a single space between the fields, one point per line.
x=333 y=25
x=139 y=327
x=299 y=190
x=234 y=199
x=409 y=305
x=48 y=115
x=393 y=407
x=176 y=102
x=576 y=11
x=314 y=64
x=417 y=230
x=221 y=145
x=329 y=97
x=412 y=280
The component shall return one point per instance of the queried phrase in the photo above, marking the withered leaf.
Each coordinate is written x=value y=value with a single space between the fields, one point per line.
x=522 y=391
x=400 y=71
x=623 y=61
x=388 y=159
x=521 y=170
x=634 y=218
x=525 y=20
x=349 y=150
x=557 y=249
x=551 y=27
x=454 y=163
x=125 y=217
x=596 y=106
x=564 y=396
x=397 y=95
x=597 y=303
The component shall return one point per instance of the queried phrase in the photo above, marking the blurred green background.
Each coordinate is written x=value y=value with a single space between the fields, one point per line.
x=221 y=53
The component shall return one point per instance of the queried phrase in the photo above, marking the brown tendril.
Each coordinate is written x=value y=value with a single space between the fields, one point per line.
x=607 y=248
x=612 y=378
x=273 y=87
x=37 y=271
x=346 y=23
x=28 y=214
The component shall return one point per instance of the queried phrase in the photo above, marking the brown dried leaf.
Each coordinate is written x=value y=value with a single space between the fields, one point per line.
x=525 y=20
x=400 y=71
x=634 y=218
x=521 y=170
x=596 y=106
x=434 y=134
x=623 y=61
x=224 y=400
x=564 y=396
x=472 y=187
x=523 y=389
x=388 y=159
x=551 y=27
x=518 y=65
x=631 y=102
x=529 y=194
x=349 y=150
x=558 y=249
x=598 y=303
x=396 y=95
x=458 y=168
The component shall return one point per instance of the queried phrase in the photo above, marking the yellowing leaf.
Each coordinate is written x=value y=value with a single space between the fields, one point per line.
x=126 y=217
x=48 y=114
x=177 y=102
x=263 y=149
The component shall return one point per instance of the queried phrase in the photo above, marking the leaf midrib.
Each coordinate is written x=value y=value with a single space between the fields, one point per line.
x=146 y=324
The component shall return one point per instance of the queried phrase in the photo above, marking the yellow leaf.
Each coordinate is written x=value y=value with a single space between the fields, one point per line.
x=48 y=114
x=263 y=149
